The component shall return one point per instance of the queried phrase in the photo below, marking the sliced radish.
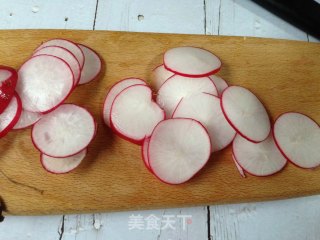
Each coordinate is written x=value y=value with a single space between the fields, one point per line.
x=220 y=83
x=114 y=91
x=8 y=82
x=178 y=87
x=206 y=109
x=10 y=116
x=245 y=113
x=178 y=149
x=240 y=169
x=44 y=82
x=191 y=62
x=259 y=159
x=64 y=132
x=134 y=114
x=62 y=165
x=298 y=138
x=159 y=76
x=144 y=151
x=71 y=46
x=92 y=65
x=64 y=54
x=27 y=119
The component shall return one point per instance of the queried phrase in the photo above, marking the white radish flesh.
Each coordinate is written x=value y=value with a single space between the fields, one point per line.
x=191 y=62
x=240 y=169
x=8 y=82
x=259 y=159
x=64 y=132
x=44 y=82
x=92 y=65
x=144 y=151
x=62 y=165
x=114 y=91
x=220 y=83
x=27 y=119
x=159 y=75
x=134 y=114
x=178 y=87
x=66 y=55
x=206 y=109
x=71 y=46
x=298 y=138
x=178 y=149
x=245 y=113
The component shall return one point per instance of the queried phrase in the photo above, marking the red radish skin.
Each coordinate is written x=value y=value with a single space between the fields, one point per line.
x=144 y=153
x=173 y=137
x=44 y=74
x=64 y=132
x=125 y=123
x=27 y=119
x=114 y=91
x=64 y=54
x=159 y=75
x=8 y=82
x=71 y=46
x=62 y=165
x=239 y=168
x=92 y=65
x=245 y=113
x=11 y=115
x=220 y=84
x=297 y=137
x=191 y=62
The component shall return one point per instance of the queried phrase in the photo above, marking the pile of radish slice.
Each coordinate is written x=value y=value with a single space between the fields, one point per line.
x=195 y=113
x=35 y=95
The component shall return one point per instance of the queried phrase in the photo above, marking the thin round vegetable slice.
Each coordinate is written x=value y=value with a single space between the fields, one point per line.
x=71 y=46
x=27 y=119
x=245 y=113
x=144 y=151
x=134 y=114
x=206 y=109
x=159 y=75
x=298 y=138
x=220 y=83
x=258 y=159
x=8 y=82
x=92 y=65
x=44 y=83
x=62 y=165
x=64 y=132
x=191 y=62
x=114 y=91
x=66 y=55
x=178 y=149
x=10 y=116
x=178 y=87
x=240 y=169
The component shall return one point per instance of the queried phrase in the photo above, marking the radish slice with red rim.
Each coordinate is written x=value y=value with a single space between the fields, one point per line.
x=144 y=151
x=245 y=113
x=258 y=159
x=206 y=109
x=27 y=119
x=220 y=83
x=191 y=62
x=71 y=46
x=64 y=132
x=44 y=83
x=8 y=82
x=92 y=65
x=64 y=54
x=178 y=87
x=134 y=114
x=62 y=165
x=10 y=116
x=240 y=169
x=159 y=75
x=178 y=149
x=298 y=138
x=114 y=91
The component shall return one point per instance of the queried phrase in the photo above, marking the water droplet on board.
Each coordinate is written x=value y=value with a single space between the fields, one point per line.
x=35 y=9
x=140 y=17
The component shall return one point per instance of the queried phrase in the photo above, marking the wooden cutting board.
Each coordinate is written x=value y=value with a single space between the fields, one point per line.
x=284 y=74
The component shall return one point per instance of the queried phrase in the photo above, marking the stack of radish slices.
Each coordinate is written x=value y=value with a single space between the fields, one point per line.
x=61 y=132
x=195 y=113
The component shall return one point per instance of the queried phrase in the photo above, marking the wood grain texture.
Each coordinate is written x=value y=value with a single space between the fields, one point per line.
x=284 y=74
